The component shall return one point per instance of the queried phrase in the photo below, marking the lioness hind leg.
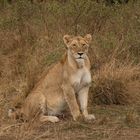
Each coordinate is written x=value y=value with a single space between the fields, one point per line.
x=52 y=119
x=46 y=118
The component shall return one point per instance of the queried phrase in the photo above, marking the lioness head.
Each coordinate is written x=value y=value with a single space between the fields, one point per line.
x=77 y=46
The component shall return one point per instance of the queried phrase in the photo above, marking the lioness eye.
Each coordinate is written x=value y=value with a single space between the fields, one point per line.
x=83 y=45
x=73 y=46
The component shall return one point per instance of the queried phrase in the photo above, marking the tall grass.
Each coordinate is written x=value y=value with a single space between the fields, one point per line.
x=116 y=83
x=31 y=40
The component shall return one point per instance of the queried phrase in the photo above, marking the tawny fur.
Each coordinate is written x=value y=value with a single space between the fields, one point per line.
x=65 y=84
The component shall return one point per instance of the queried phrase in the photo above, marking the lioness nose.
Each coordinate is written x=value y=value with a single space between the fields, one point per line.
x=80 y=53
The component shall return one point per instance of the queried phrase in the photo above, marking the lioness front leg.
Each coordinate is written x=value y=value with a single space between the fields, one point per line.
x=70 y=97
x=83 y=100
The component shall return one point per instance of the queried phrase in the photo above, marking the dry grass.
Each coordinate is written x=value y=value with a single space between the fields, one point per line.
x=31 y=40
x=116 y=83
x=112 y=123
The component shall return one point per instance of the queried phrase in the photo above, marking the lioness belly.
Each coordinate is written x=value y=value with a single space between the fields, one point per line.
x=55 y=101
x=57 y=108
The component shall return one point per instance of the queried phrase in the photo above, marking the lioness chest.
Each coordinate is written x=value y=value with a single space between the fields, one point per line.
x=80 y=79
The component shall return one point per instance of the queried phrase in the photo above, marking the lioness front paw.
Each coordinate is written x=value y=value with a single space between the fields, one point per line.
x=89 y=117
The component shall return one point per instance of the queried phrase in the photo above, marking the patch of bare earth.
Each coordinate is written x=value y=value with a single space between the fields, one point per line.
x=112 y=123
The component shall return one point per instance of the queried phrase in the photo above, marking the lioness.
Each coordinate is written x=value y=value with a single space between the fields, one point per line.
x=65 y=84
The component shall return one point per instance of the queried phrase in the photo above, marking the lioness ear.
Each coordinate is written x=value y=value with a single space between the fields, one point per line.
x=67 y=39
x=88 y=38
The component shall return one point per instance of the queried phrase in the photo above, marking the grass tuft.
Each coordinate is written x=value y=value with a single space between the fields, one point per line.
x=114 y=81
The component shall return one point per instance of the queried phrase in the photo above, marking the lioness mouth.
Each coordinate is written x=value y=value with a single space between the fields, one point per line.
x=80 y=58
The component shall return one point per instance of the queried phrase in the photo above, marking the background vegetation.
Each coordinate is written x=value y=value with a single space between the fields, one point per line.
x=31 y=40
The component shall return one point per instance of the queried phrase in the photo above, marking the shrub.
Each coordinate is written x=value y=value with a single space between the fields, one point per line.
x=116 y=83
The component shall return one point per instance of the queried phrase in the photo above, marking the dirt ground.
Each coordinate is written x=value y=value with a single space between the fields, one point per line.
x=112 y=123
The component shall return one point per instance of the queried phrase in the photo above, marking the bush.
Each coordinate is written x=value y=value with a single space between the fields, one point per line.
x=116 y=83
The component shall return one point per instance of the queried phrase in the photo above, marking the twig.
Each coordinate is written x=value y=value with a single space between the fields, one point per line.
x=10 y=126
